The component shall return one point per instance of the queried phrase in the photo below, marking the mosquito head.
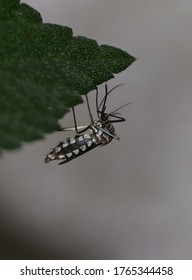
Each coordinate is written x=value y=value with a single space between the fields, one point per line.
x=104 y=117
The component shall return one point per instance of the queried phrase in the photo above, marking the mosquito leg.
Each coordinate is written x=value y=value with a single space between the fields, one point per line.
x=88 y=106
x=106 y=94
x=118 y=119
x=75 y=121
x=75 y=128
x=105 y=99
x=97 y=105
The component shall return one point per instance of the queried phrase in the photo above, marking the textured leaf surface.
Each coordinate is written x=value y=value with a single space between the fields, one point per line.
x=44 y=70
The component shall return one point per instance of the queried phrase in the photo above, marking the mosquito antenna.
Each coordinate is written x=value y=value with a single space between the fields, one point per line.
x=107 y=93
x=114 y=88
x=120 y=108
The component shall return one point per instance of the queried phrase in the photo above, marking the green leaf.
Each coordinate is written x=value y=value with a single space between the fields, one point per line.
x=44 y=70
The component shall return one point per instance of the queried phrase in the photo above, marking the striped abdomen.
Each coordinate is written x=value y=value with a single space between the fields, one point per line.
x=72 y=148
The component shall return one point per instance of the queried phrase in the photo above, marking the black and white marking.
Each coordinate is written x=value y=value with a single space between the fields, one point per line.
x=98 y=133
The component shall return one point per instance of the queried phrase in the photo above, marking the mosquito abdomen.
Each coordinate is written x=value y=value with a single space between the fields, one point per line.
x=72 y=147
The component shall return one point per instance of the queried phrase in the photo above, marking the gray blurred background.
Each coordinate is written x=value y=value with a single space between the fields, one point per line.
x=133 y=198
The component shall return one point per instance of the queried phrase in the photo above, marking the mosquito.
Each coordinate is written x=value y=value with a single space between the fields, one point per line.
x=99 y=132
